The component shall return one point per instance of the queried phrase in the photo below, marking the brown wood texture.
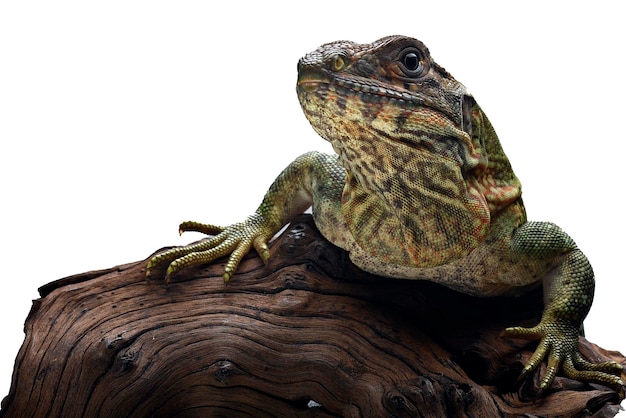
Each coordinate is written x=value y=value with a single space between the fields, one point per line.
x=307 y=327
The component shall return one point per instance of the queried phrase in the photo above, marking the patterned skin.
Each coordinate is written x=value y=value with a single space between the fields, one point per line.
x=420 y=189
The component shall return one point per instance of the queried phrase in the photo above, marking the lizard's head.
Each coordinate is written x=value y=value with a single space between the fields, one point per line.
x=382 y=85
x=392 y=71
x=387 y=106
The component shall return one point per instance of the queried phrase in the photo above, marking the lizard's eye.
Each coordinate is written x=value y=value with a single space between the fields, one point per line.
x=411 y=63
x=337 y=63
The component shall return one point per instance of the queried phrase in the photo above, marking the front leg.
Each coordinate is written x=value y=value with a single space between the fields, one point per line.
x=568 y=293
x=313 y=178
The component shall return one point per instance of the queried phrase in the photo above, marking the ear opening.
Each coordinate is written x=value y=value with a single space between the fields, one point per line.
x=467 y=105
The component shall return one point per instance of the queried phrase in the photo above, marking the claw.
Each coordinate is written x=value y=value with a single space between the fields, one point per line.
x=262 y=249
x=265 y=256
x=236 y=240
x=527 y=369
x=226 y=276
x=168 y=274
x=207 y=229
x=151 y=264
x=559 y=344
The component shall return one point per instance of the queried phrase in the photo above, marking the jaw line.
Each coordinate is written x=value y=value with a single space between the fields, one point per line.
x=309 y=85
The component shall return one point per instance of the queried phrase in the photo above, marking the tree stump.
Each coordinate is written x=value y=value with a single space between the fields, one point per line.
x=309 y=335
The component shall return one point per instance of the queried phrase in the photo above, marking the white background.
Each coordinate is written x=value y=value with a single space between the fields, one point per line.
x=120 y=119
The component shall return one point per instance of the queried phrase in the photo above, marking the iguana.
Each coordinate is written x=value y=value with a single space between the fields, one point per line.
x=419 y=189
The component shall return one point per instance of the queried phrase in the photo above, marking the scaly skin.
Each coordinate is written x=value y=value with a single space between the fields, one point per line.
x=420 y=189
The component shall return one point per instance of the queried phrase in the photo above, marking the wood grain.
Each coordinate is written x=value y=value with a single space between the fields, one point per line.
x=308 y=327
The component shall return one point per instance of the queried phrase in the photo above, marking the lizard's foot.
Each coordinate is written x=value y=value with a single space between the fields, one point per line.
x=236 y=240
x=559 y=344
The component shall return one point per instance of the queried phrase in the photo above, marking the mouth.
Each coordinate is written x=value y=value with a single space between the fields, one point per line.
x=310 y=80
x=309 y=86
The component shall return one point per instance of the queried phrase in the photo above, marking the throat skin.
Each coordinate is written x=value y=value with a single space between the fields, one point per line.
x=408 y=168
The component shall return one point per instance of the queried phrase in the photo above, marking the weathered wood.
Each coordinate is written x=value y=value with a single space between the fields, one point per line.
x=308 y=327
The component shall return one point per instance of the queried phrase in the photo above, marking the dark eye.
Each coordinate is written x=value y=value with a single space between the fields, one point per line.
x=411 y=63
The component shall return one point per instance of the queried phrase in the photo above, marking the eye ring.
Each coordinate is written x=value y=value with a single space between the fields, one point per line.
x=411 y=63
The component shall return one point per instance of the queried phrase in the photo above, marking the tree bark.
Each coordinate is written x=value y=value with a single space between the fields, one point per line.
x=308 y=335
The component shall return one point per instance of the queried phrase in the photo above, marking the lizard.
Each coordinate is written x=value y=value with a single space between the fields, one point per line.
x=419 y=188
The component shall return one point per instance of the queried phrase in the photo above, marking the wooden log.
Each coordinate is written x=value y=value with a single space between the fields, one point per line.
x=308 y=335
